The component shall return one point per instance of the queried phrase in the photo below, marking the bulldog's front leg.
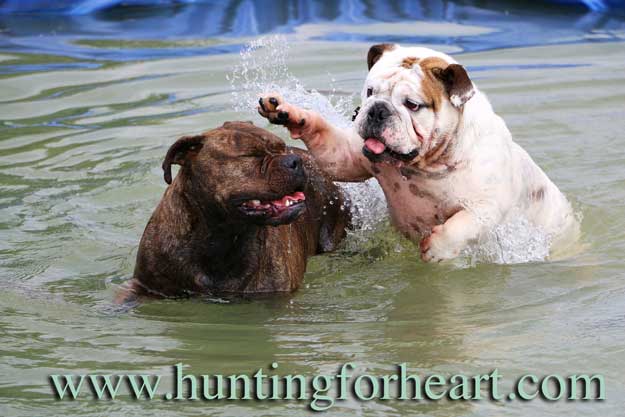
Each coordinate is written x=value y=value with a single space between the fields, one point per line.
x=447 y=240
x=337 y=151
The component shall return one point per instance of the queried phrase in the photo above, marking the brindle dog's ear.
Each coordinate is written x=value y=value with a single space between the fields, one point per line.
x=334 y=226
x=179 y=152
x=457 y=83
x=376 y=51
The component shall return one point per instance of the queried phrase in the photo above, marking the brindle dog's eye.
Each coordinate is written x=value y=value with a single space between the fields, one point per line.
x=264 y=164
x=412 y=105
x=369 y=92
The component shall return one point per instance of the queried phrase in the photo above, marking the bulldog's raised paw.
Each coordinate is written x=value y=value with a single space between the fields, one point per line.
x=439 y=245
x=272 y=107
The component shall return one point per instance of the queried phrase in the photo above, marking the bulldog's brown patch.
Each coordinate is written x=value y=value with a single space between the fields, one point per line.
x=409 y=62
x=433 y=89
x=537 y=195
x=376 y=51
x=409 y=172
x=420 y=193
x=458 y=85
x=439 y=152
x=443 y=79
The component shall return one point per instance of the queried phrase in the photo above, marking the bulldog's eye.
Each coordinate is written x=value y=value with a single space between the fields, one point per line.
x=369 y=92
x=412 y=105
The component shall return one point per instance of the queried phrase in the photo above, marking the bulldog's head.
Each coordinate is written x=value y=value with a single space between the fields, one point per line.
x=412 y=102
x=242 y=173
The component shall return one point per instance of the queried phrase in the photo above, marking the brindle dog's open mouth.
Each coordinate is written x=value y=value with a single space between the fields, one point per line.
x=376 y=151
x=279 y=211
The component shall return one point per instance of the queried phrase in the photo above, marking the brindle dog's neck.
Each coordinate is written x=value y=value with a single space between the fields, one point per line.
x=228 y=252
x=232 y=256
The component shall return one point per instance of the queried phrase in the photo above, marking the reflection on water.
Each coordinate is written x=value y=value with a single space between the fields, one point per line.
x=86 y=117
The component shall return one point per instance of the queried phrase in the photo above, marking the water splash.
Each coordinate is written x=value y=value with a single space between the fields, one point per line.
x=367 y=204
x=515 y=241
x=263 y=68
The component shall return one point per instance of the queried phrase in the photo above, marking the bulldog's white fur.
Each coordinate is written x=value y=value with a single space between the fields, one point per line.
x=449 y=168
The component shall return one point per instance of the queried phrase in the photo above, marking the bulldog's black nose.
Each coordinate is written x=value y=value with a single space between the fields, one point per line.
x=292 y=163
x=378 y=113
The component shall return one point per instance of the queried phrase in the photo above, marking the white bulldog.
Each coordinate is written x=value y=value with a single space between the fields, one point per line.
x=446 y=162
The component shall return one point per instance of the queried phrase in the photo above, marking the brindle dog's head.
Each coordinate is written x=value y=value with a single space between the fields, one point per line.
x=241 y=172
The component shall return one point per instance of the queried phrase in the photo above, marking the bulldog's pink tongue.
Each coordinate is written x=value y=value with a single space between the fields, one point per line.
x=375 y=146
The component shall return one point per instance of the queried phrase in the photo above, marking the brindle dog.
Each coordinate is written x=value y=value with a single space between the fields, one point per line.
x=241 y=217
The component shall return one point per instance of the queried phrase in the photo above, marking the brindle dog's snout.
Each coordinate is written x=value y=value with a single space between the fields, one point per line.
x=289 y=172
x=293 y=164
x=378 y=113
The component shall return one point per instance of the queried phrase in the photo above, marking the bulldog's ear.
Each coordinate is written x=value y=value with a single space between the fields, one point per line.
x=457 y=83
x=376 y=51
x=179 y=152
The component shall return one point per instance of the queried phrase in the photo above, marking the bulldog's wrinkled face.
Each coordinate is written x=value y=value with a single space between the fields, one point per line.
x=412 y=103
x=244 y=171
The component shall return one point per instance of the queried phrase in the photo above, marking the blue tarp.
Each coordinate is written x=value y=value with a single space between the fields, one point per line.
x=116 y=30
x=82 y=7
x=78 y=7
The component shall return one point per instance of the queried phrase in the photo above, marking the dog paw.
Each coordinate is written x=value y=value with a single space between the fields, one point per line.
x=438 y=246
x=273 y=108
